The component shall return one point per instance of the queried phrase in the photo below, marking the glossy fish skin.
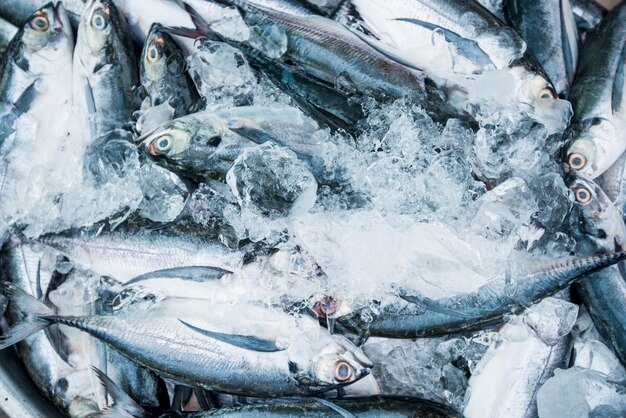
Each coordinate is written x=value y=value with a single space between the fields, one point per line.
x=17 y=11
x=204 y=145
x=454 y=43
x=182 y=340
x=124 y=255
x=601 y=229
x=549 y=30
x=163 y=73
x=105 y=71
x=35 y=80
x=380 y=406
x=588 y=13
x=64 y=385
x=599 y=100
x=7 y=32
x=330 y=52
x=424 y=317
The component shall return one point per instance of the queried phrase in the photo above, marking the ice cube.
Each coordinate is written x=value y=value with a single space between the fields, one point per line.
x=164 y=193
x=551 y=319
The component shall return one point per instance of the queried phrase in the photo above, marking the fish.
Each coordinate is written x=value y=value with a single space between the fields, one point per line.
x=210 y=349
x=17 y=11
x=35 y=86
x=595 y=138
x=66 y=386
x=7 y=32
x=419 y=316
x=205 y=144
x=454 y=43
x=106 y=71
x=163 y=73
x=588 y=14
x=613 y=183
x=347 y=62
x=600 y=228
x=126 y=254
x=549 y=30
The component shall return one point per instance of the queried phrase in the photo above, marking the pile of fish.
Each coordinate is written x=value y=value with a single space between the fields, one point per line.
x=315 y=207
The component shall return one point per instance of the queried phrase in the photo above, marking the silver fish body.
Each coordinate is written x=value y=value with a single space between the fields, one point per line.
x=549 y=30
x=597 y=133
x=17 y=11
x=105 y=71
x=7 y=32
x=588 y=13
x=125 y=255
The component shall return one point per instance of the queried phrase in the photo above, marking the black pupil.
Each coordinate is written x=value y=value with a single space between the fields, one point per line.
x=99 y=21
x=576 y=161
x=582 y=195
x=153 y=53
x=163 y=143
x=40 y=22
x=342 y=371
x=546 y=95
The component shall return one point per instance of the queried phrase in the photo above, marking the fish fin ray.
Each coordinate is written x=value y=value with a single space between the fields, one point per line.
x=618 y=84
x=122 y=403
x=26 y=99
x=242 y=341
x=193 y=273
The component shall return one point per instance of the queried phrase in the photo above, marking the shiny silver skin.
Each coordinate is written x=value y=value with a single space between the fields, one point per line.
x=232 y=348
x=163 y=73
x=205 y=144
x=331 y=52
x=613 y=182
x=124 y=255
x=454 y=43
x=418 y=316
x=7 y=32
x=601 y=229
x=596 y=137
x=549 y=30
x=588 y=13
x=105 y=71
x=66 y=386
x=17 y=11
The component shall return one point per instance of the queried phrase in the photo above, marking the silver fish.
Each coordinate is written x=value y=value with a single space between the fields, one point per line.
x=549 y=30
x=588 y=13
x=17 y=11
x=234 y=348
x=597 y=132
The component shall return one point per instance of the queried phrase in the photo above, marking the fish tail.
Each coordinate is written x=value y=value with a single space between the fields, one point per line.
x=123 y=404
x=34 y=314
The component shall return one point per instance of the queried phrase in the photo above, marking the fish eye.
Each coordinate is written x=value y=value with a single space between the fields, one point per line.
x=40 y=23
x=343 y=371
x=214 y=141
x=547 y=93
x=99 y=20
x=576 y=160
x=154 y=54
x=583 y=196
x=163 y=144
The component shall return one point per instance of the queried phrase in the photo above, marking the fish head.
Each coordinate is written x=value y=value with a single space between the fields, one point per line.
x=160 y=57
x=47 y=34
x=334 y=362
x=587 y=153
x=535 y=89
x=101 y=27
x=187 y=145
x=595 y=217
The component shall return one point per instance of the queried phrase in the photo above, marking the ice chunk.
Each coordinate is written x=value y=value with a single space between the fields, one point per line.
x=271 y=179
x=581 y=393
x=222 y=75
x=551 y=319
x=164 y=193
x=271 y=40
x=154 y=116
x=595 y=355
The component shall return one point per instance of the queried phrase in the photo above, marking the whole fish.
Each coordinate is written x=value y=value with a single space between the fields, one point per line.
x=65 y=385
x=124 y=255
x=105 y=71
x=549 y=30
x=419 y=316
x=163 y=73
x=35 y=102
x=239 y=349
x=597 y=132
x=588 y=14
x=600 y=229
x=205 y=144
x=330 y=52
x=7 y=32
x=454 y=43
x=17 y=11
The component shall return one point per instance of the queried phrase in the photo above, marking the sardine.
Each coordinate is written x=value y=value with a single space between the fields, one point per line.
x=17 y=11
x=105 y=71
x=588 y=14
x=549 y=30
x=262 y=353
x=599 y=100
x=163 y=73
x=419 y=316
